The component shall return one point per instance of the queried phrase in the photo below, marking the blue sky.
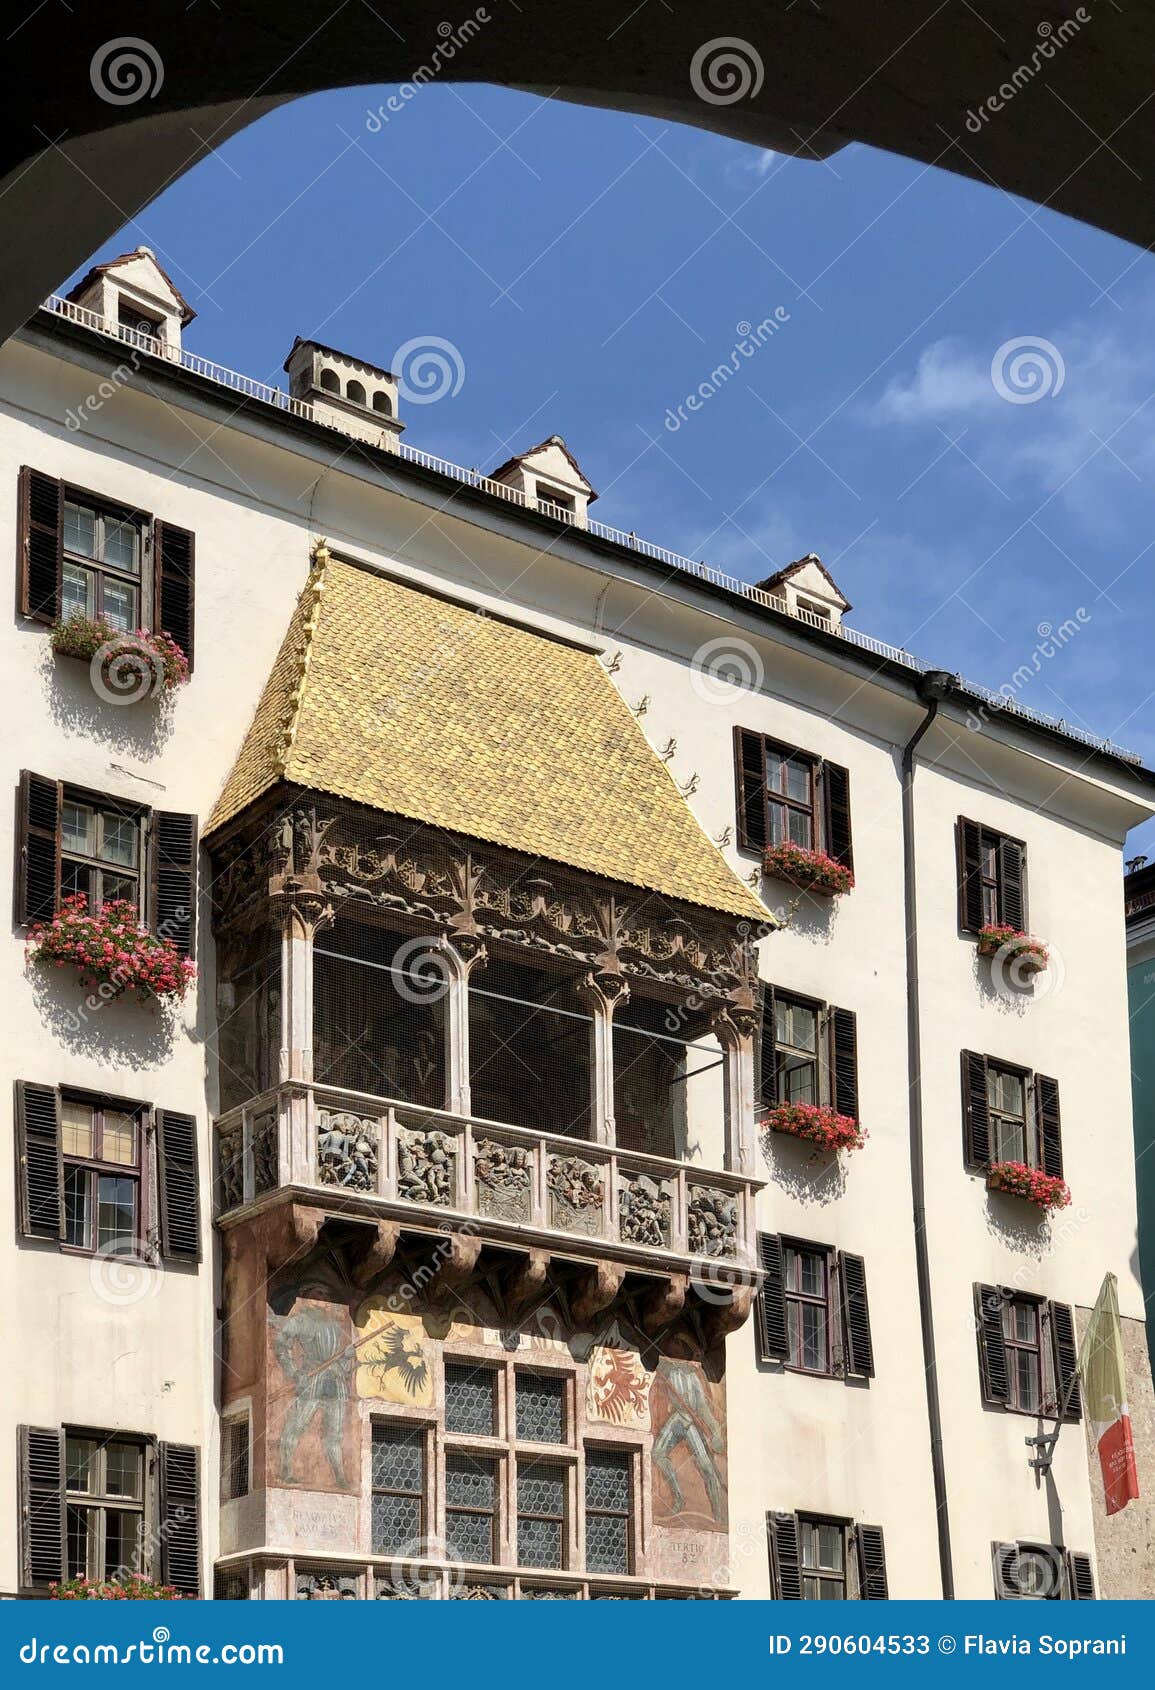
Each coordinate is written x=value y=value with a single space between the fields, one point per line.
x=592 y=269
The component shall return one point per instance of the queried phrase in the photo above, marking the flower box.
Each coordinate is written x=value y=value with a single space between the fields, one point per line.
x=133 y=1588
x=1029 y=955
x=810 y=871
x=112 y=949
x=1048 y=1191
x=816 y=1124
x=125 y=667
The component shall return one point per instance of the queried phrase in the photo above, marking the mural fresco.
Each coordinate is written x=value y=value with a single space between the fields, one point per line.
x=310 y=1386
x=689 y=1453
x=394 y=1360
x=618 y=1384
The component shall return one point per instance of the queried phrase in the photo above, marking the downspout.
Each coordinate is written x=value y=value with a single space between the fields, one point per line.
x=933 y=688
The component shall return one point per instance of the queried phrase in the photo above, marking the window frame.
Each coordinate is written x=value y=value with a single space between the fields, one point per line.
x=102 y=1502
x=1032 y=1145
x=103 y=808
x=1050 y=1552
x=1016 y=1346
x=105 y=510
x=510 y=1455
x=779 y=797
x=845 y=1528
x=990 y=839
x=97 y=1166
x=424 y=1431
x=819 y=1059
x=796 y=1248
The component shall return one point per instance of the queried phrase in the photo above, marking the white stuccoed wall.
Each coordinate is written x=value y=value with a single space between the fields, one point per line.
x=255 y=502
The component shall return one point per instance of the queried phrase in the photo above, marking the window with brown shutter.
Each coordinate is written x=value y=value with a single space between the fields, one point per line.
x=1009 y=1115
x=73 y=841
x=1027 y=1352
x=786 y=795
x=816 y=1558
x=179 y=1517
x=992 y=878
x=41 y=1451
x=1041 y=1572
x=86 y=1164
x=808 y=1053
x=813 y=1312
x=82 y=553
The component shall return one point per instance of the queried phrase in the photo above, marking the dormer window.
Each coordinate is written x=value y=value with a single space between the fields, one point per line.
x=101 y=569
x=382 y=405
x=355 y=393
x=330 y=381
x=131 y=321
x=819 y=611
x=555 y=503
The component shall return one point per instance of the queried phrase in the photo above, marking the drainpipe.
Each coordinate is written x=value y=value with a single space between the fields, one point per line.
x=933 y=688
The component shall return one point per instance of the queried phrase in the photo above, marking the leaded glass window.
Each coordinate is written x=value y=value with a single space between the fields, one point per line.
x=398 y=1489
x=608 y=1509
x=470 y=1508
x=541 y=1408
x=541 y=1514
x=470 y=1399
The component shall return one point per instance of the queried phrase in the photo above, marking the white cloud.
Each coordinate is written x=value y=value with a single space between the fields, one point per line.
x=947 y=382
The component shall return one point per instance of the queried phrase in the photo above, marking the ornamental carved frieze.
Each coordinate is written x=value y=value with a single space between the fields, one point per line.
x=577 y=1194
x=504 y=1176
x=346 y=1150
x=712 y=1221
x=427 y=1168
x=474 y=893
x=644 y=1209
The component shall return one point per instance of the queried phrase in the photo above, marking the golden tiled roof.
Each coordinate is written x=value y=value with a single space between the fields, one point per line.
x=395 y=698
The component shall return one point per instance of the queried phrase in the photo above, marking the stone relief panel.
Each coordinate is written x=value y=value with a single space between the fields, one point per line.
x=645 y=1207
x=427 y=1168
x=504 y=1179
x=577 y=1195
x=347 y=1147
x=712 y=1221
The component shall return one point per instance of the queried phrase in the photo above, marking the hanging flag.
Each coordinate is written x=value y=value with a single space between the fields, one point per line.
x=1105 y=1386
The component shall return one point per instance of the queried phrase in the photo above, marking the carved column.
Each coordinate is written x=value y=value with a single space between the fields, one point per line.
x=601 y=994
x=304 y=912
x=735 y=1031
x=461 y=954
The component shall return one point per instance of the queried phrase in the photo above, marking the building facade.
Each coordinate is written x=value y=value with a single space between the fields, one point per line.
x=594 y=975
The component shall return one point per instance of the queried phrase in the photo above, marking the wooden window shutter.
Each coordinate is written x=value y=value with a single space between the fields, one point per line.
x=1012 y=884
x=176 y=1137
x=41 y=1505
x=872 y=1582
x=174 y=876
x=40 y=556
x=970 y=886
x=41 y=1170
x=175 y=566
x=859 y=1346
x=38 y=848
x=844 y=1061
x=1064 y=1353
x=750 y=767
x=768 y=1052
x=785 y=1556
x=773 y=1344
x=835 y=782
x=989 y=1301
x=1005 y=1560
x=1049 y=1124
x=1080 y=1576
x=180 y=1535
x=976 y=1111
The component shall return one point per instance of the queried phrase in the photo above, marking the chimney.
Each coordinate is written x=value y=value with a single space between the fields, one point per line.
x=350 y=395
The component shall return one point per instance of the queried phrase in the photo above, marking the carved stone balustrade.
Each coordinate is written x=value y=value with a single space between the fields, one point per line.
x=437 y=1171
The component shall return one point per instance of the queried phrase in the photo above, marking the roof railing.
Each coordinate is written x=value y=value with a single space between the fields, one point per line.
x=999 y=703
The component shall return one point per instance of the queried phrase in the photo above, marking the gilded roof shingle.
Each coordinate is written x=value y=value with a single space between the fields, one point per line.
x=395 y=698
